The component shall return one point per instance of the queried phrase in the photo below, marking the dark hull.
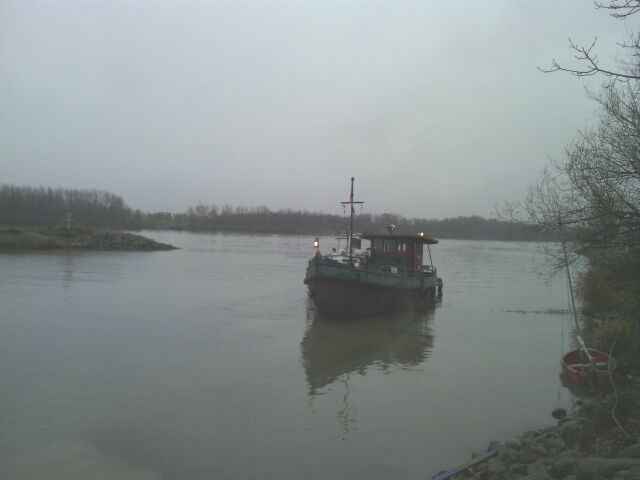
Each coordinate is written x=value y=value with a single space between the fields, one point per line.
x=339 y=290
x=346 y=298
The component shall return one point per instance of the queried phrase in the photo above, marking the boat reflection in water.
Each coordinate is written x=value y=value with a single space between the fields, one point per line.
x=335 y=349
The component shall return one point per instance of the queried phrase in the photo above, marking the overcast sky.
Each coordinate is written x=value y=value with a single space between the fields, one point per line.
x=435 y=107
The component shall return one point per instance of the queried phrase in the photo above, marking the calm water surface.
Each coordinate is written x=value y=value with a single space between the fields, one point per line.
x=209 y=363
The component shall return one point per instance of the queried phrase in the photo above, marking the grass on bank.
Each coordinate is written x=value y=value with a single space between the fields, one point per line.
x=15 y=239
x=32 y=238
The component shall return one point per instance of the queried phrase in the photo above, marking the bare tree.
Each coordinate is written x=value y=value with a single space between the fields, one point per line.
x=588 y=62
x=593 y=194
x=620 y=8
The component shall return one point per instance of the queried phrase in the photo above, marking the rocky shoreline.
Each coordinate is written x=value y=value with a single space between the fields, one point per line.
x=76 y=239
x=598 y=440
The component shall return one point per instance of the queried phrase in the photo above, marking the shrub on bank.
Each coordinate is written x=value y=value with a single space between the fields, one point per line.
x=614 y=335
x=601 y=292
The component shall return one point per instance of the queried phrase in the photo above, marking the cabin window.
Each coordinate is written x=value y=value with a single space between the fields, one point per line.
x=389 y=246
x=377 y=245
x=402 y=247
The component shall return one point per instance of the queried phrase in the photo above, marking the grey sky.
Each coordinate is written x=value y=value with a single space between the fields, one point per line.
x=436 y=108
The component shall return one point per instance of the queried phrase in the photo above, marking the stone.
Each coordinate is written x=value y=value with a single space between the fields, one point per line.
x=496 y=466
x=537 y=469
x=528 y=455
x=527 y=437
x=603 y=466
x=572 y=430
x=605 y=449
x=559 y=413
x=517 y=470
x=494 y=445
x=586 y=475
x=508 y=455
x=540 y=450
x=570 y=453
x=556 y=442
x=563 y=467
x=630 y=452
x=512 y=444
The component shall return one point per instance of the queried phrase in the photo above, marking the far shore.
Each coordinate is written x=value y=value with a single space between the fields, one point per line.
x=26 y=239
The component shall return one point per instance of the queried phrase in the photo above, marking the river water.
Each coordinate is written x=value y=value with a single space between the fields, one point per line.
x=209 y=362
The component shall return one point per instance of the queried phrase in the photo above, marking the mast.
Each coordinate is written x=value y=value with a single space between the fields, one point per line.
x=583 y=347
x=350 y=236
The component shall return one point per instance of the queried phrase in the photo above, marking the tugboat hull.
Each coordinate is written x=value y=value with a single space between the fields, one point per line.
x=357 y=299
x=339 y=291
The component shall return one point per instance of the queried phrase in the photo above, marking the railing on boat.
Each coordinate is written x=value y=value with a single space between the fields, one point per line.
x=388 y=269
x=403 y=271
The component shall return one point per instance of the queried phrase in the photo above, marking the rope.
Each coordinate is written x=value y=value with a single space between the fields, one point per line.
x=615 y=390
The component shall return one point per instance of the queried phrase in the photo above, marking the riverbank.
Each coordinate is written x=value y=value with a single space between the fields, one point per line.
x=16 y=239
x=599 y=440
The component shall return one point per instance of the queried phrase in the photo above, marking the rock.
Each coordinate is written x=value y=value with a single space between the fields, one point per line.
x=527 y=455
x=495 y=466
x=517 y=470
x=559 y=413
x=512 y=444
x=540 y=450
x=537 y=469
x=588 y=476
x=572 y=430
x=630 y=452
x=563 y=467
x=570 y=453
x=603 y=466
x=508 y=455
x=527 y=437
x=494 y=445
x=605 y=449
x=555 y=442
x=622 y=474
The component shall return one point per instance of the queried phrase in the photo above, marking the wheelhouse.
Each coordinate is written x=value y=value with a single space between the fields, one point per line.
x=399 y=252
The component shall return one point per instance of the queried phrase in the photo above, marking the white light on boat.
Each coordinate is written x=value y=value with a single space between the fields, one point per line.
x=421 y=234
x=316 y=243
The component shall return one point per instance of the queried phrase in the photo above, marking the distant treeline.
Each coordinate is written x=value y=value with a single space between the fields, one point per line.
x=49 y=207
x=40 y=206
x=263 y=220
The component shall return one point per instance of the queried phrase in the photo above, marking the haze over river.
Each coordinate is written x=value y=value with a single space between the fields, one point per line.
x=209 y=363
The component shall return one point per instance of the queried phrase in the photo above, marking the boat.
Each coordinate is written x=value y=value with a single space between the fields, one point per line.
x=387 y=276
x=584 y=366
x=587 y=367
